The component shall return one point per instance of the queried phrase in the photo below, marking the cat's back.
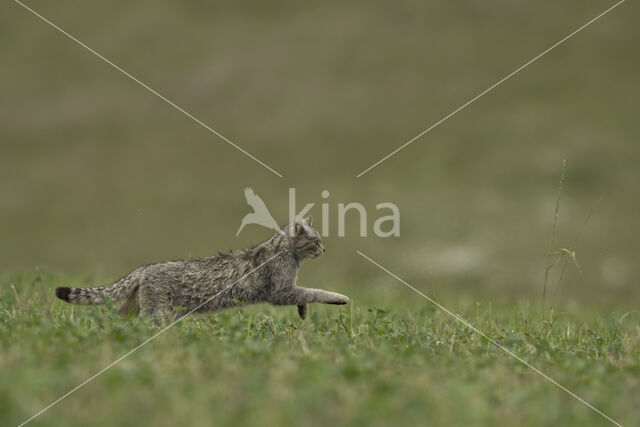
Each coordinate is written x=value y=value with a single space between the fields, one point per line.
x=189 y=267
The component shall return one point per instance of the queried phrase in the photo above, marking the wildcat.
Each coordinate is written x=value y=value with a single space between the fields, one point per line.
x=264 y=273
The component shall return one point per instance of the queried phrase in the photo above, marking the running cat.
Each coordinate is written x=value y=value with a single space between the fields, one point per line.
x=264 y=273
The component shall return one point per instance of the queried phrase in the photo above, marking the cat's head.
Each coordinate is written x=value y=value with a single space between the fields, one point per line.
x=303 y=238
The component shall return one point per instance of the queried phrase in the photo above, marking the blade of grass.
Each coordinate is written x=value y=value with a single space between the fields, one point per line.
x=552 y=240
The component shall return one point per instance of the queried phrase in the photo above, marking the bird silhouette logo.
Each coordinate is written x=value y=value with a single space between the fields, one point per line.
x=260 y=214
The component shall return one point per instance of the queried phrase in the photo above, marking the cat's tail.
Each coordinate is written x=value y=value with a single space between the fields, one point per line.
x=116 y=291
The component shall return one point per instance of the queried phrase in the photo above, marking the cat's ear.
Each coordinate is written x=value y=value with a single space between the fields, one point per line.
x=308 y=220
x=295 y=226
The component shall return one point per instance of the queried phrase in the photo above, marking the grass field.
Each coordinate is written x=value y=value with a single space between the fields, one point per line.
x=357 y=365
x=98 y=176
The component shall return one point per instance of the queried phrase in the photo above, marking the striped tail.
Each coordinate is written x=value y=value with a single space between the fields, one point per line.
x=116 y=291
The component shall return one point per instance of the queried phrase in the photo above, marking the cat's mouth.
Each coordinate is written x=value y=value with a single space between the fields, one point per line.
x=320 y=250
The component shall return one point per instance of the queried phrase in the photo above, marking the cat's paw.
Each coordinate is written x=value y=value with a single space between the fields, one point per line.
x=302 y=311
x=339 y=299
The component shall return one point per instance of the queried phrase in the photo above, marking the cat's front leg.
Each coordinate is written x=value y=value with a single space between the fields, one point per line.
x=327 y=297
x=302 y=311
x=301 y=296
x=322 y=296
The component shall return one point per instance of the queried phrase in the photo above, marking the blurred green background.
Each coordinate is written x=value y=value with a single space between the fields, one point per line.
x=98 y=176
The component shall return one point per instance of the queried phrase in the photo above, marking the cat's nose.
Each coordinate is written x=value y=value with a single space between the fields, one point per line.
x=322 y=248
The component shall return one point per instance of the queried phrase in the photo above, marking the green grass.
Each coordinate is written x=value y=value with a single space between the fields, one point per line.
x=357 y=365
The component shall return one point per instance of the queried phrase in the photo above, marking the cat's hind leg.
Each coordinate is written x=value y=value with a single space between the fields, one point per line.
x=154 y=303
x=131 y=305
